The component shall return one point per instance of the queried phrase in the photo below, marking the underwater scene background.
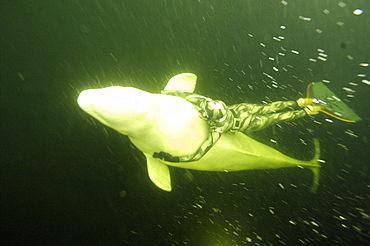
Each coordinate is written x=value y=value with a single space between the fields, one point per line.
x=68 y=180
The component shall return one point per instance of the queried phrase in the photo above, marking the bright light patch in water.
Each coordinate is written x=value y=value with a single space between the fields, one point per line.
x=358 y=11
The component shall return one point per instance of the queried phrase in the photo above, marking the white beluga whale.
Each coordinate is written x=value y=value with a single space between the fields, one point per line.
x=162 y=123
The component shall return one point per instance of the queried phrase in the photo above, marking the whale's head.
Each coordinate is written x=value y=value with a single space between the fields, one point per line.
x=116 y=107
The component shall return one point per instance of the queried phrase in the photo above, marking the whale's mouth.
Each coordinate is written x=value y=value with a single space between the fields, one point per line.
x=84 y=99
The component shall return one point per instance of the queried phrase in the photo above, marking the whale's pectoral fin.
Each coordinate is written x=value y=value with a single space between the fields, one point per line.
x=159 y=173
x=182 y=82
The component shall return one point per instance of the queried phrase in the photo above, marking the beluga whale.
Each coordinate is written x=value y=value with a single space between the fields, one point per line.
x=157 y=123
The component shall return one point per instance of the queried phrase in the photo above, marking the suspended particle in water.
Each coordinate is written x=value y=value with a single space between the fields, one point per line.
x=123 y=193
x=340 y=23
x=305 y=18
x=342 y=4
x=349 y=90
x=20 y=75
x=314 y=223
x=365 y=81
x=351 y=133
x=358 y=11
